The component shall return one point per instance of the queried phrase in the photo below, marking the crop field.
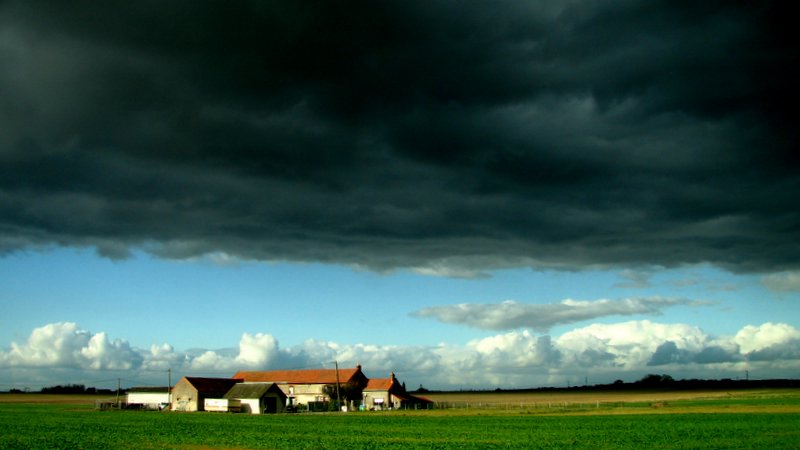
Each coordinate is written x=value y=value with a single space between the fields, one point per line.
x=757 y=419
x=616 y=402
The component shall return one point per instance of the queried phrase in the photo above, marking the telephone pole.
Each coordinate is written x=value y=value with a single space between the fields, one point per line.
x=338 y=398
x=169 y=389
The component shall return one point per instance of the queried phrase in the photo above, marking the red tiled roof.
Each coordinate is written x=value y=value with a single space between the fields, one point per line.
x=316 y=376
x=379 y=384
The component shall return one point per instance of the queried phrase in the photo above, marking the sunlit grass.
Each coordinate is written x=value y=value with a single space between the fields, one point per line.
x=752 y=419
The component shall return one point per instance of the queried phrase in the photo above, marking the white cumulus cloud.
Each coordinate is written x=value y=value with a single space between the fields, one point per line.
x=162 y=357
x=257 y=350
x=63 y=344
x=756 y=338
x=626 y=345
x=519 y=358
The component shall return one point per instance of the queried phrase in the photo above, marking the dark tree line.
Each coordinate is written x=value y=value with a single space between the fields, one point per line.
x=64 y=389
x=73 y=389
x=655 y=381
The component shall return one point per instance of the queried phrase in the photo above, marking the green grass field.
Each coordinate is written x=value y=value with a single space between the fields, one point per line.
x=746 y=420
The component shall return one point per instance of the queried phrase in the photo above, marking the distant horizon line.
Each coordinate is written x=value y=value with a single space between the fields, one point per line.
x=665 y=383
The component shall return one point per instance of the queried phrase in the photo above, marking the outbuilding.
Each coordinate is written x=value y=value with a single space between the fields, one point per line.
x=190 y=393
x=148 y=397
x=258 y=398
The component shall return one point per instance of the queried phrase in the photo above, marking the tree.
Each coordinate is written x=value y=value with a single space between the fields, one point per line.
x=67 y=389
x=656 y=380
x=347 y=392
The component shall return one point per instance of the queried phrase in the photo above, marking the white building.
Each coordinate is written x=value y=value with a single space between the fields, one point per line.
x=258 y=398
x=148 y=397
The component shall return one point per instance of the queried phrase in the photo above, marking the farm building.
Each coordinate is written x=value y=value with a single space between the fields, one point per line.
x=190 y=393
x=313 y=388
x=258 y=398
x=148 y=397
x=388 y=393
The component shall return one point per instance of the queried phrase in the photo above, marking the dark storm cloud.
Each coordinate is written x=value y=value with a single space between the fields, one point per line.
x=470 y=135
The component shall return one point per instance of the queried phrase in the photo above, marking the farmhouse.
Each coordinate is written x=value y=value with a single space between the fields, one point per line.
x=148 y=397
x=388 y=393
x=259 y=392
x=190 y=393
x=258 y=398
x=313 y=388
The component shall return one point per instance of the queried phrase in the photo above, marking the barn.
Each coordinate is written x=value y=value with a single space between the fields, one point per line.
x=190 y=393
x=258 y=398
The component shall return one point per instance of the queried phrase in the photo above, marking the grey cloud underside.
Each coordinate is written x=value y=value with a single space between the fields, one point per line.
x=510 y=314
x=669 y=353
x=397 y=135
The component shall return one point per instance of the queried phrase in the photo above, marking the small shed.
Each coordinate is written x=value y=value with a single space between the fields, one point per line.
x=258 y=398
x=190 y=393
x=148 y=397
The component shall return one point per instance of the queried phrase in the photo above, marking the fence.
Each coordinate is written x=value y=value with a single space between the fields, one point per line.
x=106 y=405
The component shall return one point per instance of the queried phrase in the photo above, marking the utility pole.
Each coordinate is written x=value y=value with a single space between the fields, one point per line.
x=169 y=389
x=338 y=398
x=118 y=383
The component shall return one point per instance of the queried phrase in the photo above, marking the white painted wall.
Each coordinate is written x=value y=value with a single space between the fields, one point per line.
x=252 y=404
x=148 y=398
x=221 y=404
